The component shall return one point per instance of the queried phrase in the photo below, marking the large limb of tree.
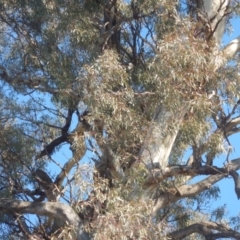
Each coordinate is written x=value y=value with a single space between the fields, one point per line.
x=48 y=150
x=63 y=214
x=184 y=191
x=228 y=129
x=77 y=141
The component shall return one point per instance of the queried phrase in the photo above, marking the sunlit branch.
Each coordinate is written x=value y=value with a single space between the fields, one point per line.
x=232 y=48
x=193 y=189
x=206 y=229
x=77 y=156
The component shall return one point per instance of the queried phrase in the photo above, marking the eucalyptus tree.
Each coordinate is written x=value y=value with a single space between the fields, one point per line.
x=132 y=86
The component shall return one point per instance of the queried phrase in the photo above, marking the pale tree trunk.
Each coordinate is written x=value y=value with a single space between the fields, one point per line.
x=215 y=12
x=161 y=137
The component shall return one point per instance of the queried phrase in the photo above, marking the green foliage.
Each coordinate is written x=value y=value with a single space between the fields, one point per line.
x=91 y=74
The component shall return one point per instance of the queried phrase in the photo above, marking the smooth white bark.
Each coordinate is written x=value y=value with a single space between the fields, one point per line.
x=161 y=137
x=215 y=11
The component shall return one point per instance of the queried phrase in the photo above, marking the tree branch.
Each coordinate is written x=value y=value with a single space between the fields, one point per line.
x=76 y=139
x=35 y=84
x=51 y=190
x=186 y=170
x=205 y=229
x=62 y=213
x=183 y=191
x=77 y=156
x=22 y=225
x=48 y=150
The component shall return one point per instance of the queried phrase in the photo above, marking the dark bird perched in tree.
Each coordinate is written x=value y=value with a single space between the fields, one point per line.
x=42 y=177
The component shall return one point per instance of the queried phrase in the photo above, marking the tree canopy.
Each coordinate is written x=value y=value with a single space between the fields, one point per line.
x=113 y=117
